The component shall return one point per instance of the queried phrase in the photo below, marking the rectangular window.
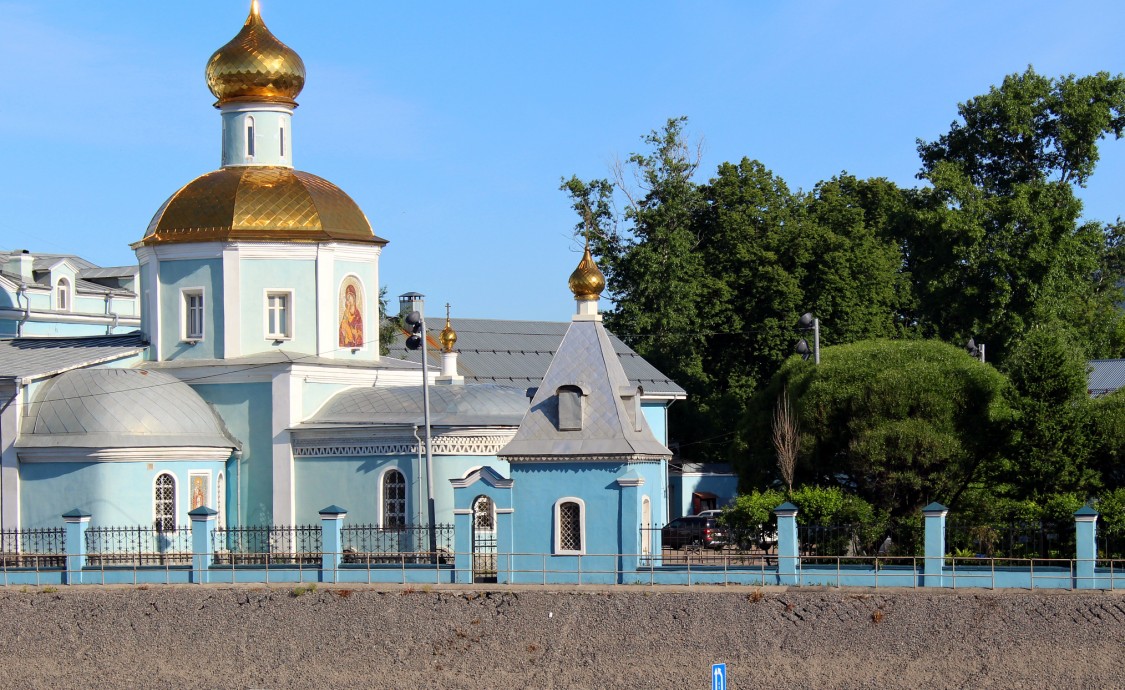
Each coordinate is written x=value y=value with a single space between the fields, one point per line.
x=283 y=141
x=569 y=522
x=192 y=309
x=250 y=137
x=279 y=315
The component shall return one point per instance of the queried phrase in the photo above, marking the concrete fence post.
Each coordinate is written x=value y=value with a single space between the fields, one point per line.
x=203 y=520
x=788 y=550
x=77 y=522
x=933 y=565
x=1086 y=547
x=331 y=543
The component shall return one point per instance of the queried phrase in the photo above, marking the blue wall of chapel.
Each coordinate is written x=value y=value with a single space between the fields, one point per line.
x=187 y=274
x=259 y=275
x=247 y=409
x=116 y=494
x=538 y=486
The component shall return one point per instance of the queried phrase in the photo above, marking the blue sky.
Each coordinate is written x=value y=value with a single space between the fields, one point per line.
x=452 y=124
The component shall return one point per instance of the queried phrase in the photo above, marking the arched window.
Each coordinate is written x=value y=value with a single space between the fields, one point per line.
x=484 y=514
x=250 y=137
x=646 y=526
x=570 y=522
x=164 y=502
x=394 y=499
x=62 y=295
x=221 y=502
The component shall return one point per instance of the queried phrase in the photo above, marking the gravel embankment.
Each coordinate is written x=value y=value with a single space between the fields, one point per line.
x=629 y=637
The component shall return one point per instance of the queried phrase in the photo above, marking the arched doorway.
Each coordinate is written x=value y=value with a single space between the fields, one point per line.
x=484 y=539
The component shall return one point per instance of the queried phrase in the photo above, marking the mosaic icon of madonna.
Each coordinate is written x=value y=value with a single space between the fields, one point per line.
x=351 y=312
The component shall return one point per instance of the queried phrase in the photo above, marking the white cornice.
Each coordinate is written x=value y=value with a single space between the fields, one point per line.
x=180 y=454
x=52 y=316
x=186 y=250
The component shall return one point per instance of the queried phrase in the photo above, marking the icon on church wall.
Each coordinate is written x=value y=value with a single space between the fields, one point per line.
x=351 y=312
x=199 y=489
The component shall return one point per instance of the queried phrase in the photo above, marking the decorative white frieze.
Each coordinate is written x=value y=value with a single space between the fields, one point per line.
x=485 y=444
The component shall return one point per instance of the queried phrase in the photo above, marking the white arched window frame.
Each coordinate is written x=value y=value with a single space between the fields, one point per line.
x=646 y=526
x=164 y=502
x=221 y=501
x=484 y=514
x=250 y=136
x=392 y=499
x=570 y=526
x=62 y=295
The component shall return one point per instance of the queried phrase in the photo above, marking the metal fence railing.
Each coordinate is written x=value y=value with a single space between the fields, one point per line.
x=718 y=545
x=137 y=546
x=267 y=545
x=371 y=544
x=1016 y=540
x=33 y=548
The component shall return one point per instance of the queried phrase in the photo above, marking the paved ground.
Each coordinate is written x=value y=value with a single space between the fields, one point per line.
x=531 y=637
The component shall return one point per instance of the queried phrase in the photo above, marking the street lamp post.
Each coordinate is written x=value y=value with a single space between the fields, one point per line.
x=805 y=323
x=416 y=320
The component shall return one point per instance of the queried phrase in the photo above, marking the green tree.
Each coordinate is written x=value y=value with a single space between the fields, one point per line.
x=1051 y=446
x=996 y=245
x=900 y=423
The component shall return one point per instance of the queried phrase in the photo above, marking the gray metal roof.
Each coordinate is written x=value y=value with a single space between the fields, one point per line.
x=1106 y=376
x=456 y=405
x=89 y=286
x=121 y=408
x=44 y=262
x=109 y=272
x=32 y=358
x=517 y=353
x=586 y=359
x=283 y=356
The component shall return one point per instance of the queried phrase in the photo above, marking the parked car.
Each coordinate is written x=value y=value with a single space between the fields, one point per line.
x=694 y=530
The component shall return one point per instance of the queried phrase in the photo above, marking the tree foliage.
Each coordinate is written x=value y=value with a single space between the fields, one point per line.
x=900 y=423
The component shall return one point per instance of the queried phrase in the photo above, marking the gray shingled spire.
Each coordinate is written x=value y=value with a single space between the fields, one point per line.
x=612 y=425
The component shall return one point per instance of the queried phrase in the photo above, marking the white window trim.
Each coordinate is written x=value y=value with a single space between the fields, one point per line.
x=220 y=501
x=251 y=136
x=646 y=526
x=290 y=319
x=184 y=317
x=175 y=497
x=63 y=285
x=382 y=506
x=491 y=510
x=559 y=551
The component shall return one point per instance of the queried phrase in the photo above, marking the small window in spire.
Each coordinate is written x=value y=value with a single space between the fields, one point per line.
x=250 y=137
x=282 y=133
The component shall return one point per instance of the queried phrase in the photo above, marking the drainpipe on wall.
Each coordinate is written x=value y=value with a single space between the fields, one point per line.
x=21 y=294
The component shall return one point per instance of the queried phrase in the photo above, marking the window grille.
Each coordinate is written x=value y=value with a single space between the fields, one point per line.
x=165 y=503
x=570 y=527
x=394 y=499
x=484 y=517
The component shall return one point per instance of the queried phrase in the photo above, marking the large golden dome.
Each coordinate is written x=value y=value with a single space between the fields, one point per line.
x=264 y=203
x=256 y=67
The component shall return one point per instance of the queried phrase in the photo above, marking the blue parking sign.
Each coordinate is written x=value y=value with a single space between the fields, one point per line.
x=718 y=677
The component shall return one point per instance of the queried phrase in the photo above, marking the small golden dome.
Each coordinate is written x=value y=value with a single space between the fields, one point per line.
x=448 y=336
x=265 y=203
x=587 y=282
x=256 y=67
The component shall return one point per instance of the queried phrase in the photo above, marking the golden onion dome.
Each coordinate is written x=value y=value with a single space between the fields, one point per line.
x=256 y=67
x=265 y=203
x=587 y=282
x=448 y=336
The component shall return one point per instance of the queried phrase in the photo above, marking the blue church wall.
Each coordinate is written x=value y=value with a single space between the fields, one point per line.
x=259 y=275
x=117 y=494
x=247 y=409
x=187 y=274
x=656 y=415
x=448 y=467
x=355 y=484
x=314 y=395
x=539 y=486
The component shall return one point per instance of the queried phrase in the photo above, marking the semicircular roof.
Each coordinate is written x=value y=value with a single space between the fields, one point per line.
x=259 y=202
x=121 y=408
x=471 y=405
